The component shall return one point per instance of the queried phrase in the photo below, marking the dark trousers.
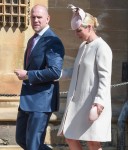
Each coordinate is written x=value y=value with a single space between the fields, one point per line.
x=31 y=129
x=122 y=127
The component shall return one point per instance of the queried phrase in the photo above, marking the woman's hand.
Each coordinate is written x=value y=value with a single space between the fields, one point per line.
x=99 y=108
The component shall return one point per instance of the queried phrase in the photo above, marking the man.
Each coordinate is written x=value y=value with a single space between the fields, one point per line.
x=123 y=117
x=40 y=88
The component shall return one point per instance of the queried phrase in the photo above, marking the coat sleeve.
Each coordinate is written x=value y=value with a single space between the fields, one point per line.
x=104 y=67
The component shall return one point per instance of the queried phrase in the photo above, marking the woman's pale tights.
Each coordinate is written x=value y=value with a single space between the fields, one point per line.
x=75 y=145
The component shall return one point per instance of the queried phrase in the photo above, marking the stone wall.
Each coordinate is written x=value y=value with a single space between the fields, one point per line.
x=112 y=16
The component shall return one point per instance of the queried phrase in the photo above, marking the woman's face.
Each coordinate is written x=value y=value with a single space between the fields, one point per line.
x=83 y=33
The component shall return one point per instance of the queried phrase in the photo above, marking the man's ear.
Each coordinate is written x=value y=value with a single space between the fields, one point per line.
x=48 y=19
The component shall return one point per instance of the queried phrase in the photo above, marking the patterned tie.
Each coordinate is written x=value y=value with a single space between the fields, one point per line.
x=30 y=46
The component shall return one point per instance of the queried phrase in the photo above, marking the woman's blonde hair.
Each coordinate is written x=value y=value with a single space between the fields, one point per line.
x=90 y=20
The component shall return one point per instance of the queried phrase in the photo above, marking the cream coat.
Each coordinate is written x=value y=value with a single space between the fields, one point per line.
x=90 y=83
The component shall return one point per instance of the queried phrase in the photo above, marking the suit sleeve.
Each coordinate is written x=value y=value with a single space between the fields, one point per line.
x=54 y=61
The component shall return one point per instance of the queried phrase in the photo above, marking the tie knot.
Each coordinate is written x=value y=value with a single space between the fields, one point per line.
x=35 y=35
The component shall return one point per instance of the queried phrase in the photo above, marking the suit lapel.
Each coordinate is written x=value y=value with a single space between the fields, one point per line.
x=36 y=49
x=42 y=42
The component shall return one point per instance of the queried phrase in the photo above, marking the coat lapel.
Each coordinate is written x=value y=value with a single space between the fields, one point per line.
x=82 y=52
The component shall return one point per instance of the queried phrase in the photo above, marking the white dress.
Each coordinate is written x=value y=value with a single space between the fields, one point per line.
x=90 y=83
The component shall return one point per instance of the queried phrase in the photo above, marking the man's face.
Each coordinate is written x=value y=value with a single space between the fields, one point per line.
x=39 y=18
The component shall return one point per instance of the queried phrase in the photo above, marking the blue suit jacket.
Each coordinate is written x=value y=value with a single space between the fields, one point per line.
x=41 y=92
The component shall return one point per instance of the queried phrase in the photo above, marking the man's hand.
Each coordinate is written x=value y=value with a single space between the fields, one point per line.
x=21 y=74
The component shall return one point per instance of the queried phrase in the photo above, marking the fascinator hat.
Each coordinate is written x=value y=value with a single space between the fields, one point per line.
x=80 y=17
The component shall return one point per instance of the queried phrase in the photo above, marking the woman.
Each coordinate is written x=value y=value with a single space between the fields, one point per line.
x=90 y=87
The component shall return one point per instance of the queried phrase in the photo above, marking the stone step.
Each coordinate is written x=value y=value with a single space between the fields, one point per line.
x=7 y=130
x=13 y=101
x=10 y=147
x=9 y=99
x=10 y=114
x=15 y=147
